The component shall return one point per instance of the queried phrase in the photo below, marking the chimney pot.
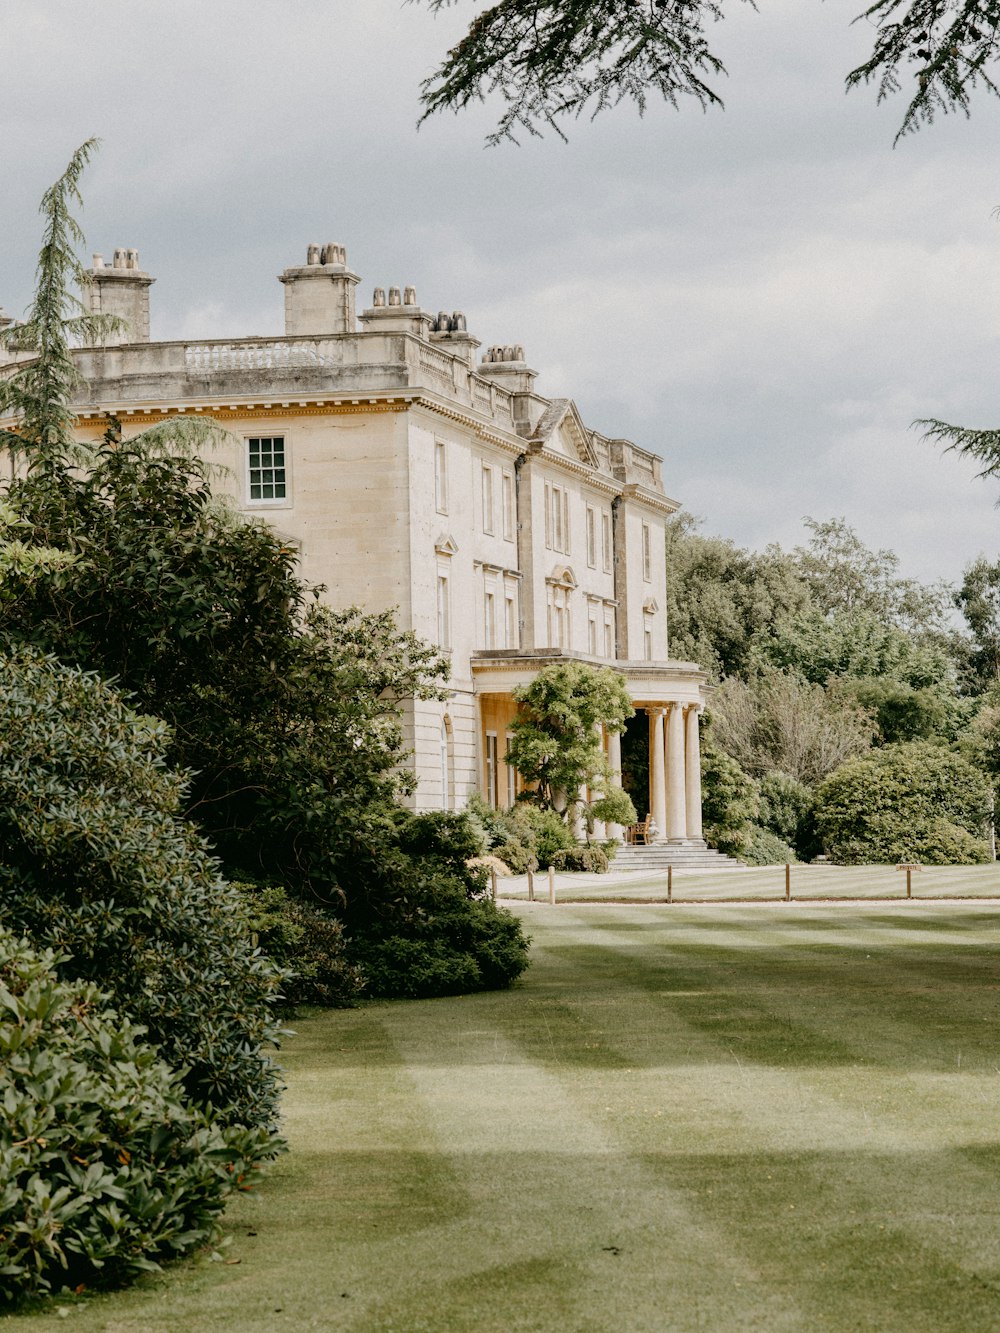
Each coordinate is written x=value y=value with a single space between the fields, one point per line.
x=378 y=299
x=312 y=255
x=394 y=296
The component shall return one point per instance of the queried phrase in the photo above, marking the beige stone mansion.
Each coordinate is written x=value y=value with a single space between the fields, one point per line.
x=412 y=473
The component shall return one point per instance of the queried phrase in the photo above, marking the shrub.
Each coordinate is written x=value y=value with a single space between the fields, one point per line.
x=590 y=858
x=95 y=864
x=788 y=809
x=914 y=802
x=306 y=942
x=105 y=1168
x=767 y=849
x=526 y=837
x=430 y=926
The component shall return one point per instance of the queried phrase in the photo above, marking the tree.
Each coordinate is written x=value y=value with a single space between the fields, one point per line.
x=285 y=712
x=556 y=743
x=978 y=599
x=724 y=602
x=549 y=59
x=916 y=802
x=845 y=575
x=779 y=722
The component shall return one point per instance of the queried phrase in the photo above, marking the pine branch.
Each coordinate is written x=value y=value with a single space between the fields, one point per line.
x=982 y=445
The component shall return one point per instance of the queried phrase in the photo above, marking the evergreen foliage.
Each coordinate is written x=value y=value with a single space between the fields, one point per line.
x=106 y=1169
x=916 y=802
x=96 y=864
x=549 y=59
x=556 y=743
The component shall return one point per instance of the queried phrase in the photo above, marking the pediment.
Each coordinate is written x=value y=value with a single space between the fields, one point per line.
x=561 y=429
x=564 y=576
x=446 y=544
x=650 y=606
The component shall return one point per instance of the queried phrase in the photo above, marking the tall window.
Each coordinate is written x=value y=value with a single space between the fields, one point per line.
x=591 y=537
x=559 y=615
x=556 y=518
x=488 y=522
x=511 y=775
x=490 y=619
x=445 y=768
x=443 y=612
x=266 y=468
x=510 y=621
x=647 y=639
x=440 y=477
x=647 y=557
x=507 y=485
x=592 y=634
x=609 y=639
x=491 y=768
x=606 y=541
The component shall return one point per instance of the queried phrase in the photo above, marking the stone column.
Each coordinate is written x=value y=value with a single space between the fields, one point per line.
x=692 y=759
x=657 y=777
x=676 y=791
x=615 y=760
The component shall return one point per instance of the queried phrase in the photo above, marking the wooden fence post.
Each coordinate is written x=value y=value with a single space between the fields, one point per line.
x=670 y=884
x=493 y=882
x=552 y=886
x=531 y=886
x=788 y=882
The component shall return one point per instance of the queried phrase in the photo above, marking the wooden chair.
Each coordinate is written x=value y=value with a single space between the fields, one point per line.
x=639 y=834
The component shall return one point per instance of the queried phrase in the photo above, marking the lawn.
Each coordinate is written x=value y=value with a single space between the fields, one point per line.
x=752 y=1116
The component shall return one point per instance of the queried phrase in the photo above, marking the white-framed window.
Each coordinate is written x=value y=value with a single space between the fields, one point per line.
x=560 y=628
x=489 y=620
x=557 y=518
x=609 y=639
x=266 y=470
x=647 y=555
x=511 y=774
x=592 y=634
x=510 y=620
x=647 y=639
x=443 y=611
x=488 y=516
x=507 y=501
x=440 y=476
x=591 y=537
x=606 y=541
x=491 y=769
x=445 y=766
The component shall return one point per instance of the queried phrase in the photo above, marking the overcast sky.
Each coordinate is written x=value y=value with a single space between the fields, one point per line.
x=766 y=296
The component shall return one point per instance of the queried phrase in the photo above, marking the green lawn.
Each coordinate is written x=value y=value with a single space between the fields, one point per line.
x=752 y=1116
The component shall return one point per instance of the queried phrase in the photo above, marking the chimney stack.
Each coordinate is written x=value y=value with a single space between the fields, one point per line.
x=319 y=296
x=122 y=290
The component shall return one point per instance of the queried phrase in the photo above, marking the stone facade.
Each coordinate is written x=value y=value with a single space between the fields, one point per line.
x=411 y=472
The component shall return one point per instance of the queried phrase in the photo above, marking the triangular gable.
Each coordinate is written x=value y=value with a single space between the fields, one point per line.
x=446 y=545
x=561 y=429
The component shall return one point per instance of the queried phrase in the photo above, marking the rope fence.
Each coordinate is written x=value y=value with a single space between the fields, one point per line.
x=789 y=883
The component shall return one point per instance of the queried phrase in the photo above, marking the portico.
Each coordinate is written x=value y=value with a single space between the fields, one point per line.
x=670 y=694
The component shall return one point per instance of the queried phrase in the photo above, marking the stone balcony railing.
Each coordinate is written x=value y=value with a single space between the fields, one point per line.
x=282 y=368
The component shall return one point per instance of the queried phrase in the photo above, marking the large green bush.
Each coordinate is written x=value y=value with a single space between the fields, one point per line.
x=95 y=864
x=430 y=926
x=306 y=942
x=914 y=802
x=105 y=1167
x=525 y=837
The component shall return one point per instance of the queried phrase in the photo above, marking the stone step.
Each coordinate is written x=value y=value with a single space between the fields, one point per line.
x=658 y=857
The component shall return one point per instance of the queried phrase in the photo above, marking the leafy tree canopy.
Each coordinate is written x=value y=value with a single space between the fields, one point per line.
x=550 y=59
x=556 y=743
